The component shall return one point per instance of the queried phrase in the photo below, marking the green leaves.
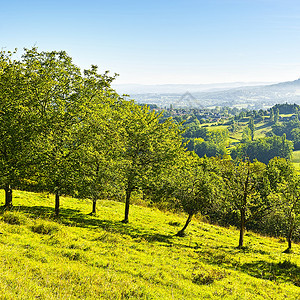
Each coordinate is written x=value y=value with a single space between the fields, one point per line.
x=18 y=120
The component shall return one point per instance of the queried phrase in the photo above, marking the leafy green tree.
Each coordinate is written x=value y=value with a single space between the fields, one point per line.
x=286 y=108
x=271 y=115
x=246 y=137
x=57 y=85
x=291 y=206
x=278 y=171
x=148 y=147
x=58 y=160
x=208 y=148
x=233 y=127
x=290 y=129
x=18 y=122
x=247 y=190
x=100 y=150
x=295 y=135
x=209 y=143
x=195 y=188
x=193 y=130
x=251 y=127
x=98 y=175
x=276 y=116
x=218 y=136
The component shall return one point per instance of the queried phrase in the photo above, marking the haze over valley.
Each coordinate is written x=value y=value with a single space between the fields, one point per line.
x=257 y=95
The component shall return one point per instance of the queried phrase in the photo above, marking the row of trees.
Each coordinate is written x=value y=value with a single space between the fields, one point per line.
x=263 y=197
x=68 y=132
x=290 y=129
x=264 y=149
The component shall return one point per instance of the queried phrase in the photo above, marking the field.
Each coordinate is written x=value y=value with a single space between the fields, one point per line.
x=296 y=160
x=261 y=129
x=80 y=256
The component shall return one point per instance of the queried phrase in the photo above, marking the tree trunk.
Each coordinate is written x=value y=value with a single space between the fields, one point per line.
x=8 y=196
x=94 y=206
x=289 y=238
x=57 y=203
x=181 y=232
x=242 y=229
x=127 y=202
x=243 y=209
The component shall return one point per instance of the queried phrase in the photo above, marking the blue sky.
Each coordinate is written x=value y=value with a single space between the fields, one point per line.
x=159 y=42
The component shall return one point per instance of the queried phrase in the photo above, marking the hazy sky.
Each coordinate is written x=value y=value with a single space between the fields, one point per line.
x=157 y=42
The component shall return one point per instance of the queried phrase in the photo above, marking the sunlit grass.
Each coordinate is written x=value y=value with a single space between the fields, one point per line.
x=296 y=160
x=97 y=257
x=296 y=156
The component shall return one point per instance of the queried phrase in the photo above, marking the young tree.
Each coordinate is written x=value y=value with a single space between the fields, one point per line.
x=271 y=115
x=276 y=116
x=247 y=190
x=251 y=127
x=195 y=188
x=291 y=206
x=246 y=137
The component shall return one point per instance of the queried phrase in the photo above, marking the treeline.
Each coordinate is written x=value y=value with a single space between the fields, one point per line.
x=263 y=198
x=66 y=131
x=264 y=149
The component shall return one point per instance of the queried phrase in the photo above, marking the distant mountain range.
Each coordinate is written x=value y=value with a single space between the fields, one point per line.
x=133 y=89
x=238 y=94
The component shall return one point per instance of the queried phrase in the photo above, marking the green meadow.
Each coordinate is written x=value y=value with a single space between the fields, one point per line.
x=79 y=256
x=261 y=131
x=296 y=160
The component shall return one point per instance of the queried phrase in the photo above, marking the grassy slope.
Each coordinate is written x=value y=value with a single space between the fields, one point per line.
x=296 y=160
x=261 y=129
x=85 y=257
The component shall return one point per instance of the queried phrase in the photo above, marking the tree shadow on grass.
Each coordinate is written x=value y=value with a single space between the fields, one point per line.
x=265 y=125
x=282 y=271
x=73 y=217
